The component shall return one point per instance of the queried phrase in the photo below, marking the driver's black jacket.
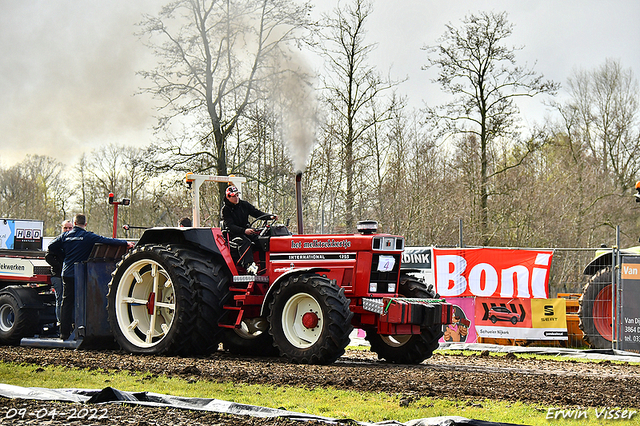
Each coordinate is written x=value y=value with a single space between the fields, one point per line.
x=236 y=216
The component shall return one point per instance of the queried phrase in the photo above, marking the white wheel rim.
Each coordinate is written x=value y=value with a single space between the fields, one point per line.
x=396 y=340
x=292 y=326
x=139 y=282
x=7 y=318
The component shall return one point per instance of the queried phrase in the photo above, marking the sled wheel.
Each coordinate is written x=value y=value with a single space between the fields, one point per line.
x=210 y=278
x=252 y=338
x=14 y=322
x=151 y=303
x=595 y=310
x=407 y=348
x=310 y=320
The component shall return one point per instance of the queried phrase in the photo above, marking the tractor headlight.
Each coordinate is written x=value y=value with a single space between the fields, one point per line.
x=391 y=287
x=389 y=243
x=373 y=287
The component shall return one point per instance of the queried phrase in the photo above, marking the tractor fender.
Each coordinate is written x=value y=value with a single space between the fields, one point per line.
x=601 y=260
x=26 y=297
x=209 y=240
x=604 y=258
x=198 y=237
x=264 y=309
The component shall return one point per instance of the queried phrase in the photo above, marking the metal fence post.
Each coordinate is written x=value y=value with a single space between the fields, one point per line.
x=616 y=286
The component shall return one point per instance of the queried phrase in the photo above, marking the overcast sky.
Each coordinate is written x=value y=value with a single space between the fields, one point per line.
x=67 y=67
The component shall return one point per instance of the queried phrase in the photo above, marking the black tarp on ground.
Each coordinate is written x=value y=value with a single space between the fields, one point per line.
x=111 y=395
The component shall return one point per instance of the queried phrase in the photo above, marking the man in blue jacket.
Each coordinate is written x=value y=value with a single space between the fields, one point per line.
x=56 y=260
x=75 y=246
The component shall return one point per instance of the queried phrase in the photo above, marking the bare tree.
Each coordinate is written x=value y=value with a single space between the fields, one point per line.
x=35 y=188
x=605 y=102
x=117 y=169
x=323 y=186
x=214 y=55
x=352 y=87
x=480 y=71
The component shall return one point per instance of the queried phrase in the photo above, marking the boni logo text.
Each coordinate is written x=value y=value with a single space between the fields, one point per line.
x=492 y=272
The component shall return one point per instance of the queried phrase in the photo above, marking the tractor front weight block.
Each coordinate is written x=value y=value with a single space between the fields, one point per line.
x=406 y=315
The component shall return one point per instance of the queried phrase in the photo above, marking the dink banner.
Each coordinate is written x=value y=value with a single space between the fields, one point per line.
x=486 y=272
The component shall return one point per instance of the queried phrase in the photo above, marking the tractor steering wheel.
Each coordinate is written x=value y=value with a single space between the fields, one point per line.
x=267 y=221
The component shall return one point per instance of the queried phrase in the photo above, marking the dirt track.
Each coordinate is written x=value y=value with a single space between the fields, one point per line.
x=510 y=378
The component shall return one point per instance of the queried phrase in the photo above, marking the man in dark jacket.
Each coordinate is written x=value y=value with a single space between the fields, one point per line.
x=75 y=246
x=56 y=260
x=235 y=214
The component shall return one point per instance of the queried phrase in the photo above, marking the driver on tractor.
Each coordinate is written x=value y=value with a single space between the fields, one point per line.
x=235 y=214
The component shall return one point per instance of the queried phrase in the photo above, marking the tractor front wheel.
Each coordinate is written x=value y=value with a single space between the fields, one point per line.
x=310 y=320
x=407 y=348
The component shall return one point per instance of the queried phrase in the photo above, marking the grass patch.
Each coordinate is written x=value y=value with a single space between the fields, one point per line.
x=369 y=407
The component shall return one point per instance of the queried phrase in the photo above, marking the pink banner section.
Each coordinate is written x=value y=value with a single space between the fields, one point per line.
x=499 y=318
x=463 y=328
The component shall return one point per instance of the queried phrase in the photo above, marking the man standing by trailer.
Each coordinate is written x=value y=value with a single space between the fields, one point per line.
x=56 y=260
x=75 y=246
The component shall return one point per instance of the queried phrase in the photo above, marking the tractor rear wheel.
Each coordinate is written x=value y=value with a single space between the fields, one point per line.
x=310 y=320
x=14 y=322
x=210 y=280
x=407 y=348
x=595 y=310
x=151 y=302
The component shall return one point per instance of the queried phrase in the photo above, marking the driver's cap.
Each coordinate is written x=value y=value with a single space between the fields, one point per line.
x=232 y=190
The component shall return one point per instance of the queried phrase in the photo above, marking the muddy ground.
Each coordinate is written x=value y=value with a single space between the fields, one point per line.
x=508 y=378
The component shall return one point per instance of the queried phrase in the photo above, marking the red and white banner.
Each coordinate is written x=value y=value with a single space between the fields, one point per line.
x=486 y=272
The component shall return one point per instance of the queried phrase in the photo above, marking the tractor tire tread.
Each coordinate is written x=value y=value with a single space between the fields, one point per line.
x=599 y=281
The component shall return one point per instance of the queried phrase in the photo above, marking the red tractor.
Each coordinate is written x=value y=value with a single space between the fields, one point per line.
x=179 y=292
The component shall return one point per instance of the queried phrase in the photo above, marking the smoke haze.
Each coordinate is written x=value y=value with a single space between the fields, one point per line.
x=300 y=116
x=67 y=73
x=68 y=76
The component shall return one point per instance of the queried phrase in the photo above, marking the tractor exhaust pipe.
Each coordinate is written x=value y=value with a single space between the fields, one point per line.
x=299 y=202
